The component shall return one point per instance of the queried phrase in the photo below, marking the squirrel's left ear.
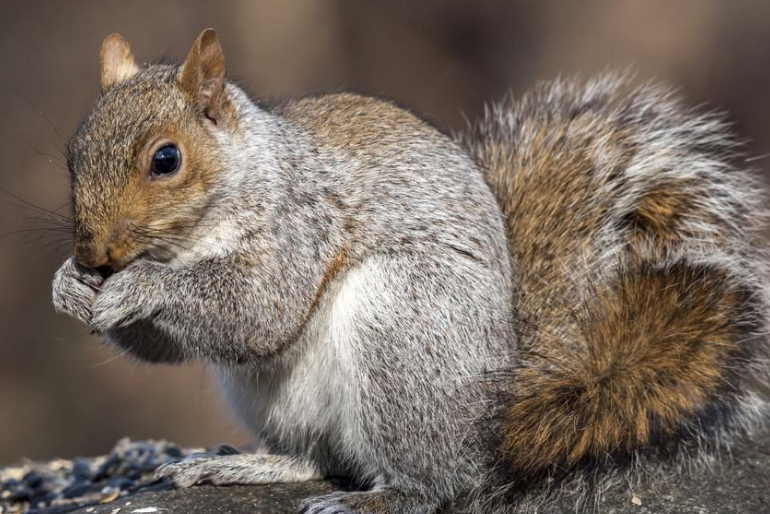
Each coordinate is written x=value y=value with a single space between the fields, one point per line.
x=117 y=61
x=203 y=75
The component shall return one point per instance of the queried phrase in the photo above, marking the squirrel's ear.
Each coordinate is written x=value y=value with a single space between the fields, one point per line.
x=117 y=61
x=203 y=74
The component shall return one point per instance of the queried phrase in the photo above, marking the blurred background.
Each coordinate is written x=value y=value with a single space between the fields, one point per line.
x=61 y=393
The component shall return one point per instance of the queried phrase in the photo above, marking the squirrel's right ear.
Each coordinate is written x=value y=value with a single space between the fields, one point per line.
x=117 y=61
x=203 y=75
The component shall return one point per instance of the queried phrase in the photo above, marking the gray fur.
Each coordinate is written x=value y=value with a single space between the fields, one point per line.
x=238 y=469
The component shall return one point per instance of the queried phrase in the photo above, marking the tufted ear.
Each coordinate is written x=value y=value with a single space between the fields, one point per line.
x=117 y=61
x=203 y=75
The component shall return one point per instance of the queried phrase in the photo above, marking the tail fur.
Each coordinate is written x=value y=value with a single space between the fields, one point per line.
x=638 y=268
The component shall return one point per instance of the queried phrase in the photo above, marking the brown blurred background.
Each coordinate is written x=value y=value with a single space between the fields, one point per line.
x=61 y=394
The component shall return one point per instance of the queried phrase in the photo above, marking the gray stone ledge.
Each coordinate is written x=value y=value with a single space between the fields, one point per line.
x=739 y=486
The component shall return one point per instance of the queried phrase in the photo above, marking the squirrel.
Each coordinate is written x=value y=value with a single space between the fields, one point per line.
x=575 y=280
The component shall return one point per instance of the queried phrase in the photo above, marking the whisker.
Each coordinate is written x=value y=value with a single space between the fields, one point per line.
x=118 y=355
x=29 y=205
x=149 y=236
x=42 y=230
x=73 y=338
x=46 y=118
x=51 y=159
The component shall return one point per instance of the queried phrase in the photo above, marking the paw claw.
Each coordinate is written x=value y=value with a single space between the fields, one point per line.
x=184 y=473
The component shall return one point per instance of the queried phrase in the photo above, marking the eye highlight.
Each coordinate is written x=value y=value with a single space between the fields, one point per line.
x=166 y=160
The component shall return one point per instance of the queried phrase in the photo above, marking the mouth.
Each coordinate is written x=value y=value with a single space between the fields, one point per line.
x=121 y=263
x=105 y=271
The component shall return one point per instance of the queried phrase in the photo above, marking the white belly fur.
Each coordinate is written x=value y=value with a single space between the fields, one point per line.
x=314 y=390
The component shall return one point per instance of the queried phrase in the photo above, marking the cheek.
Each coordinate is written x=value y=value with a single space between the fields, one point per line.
x=174 y=211
x=192 y=193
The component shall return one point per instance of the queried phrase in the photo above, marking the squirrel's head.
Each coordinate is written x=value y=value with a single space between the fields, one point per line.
x=145 y=159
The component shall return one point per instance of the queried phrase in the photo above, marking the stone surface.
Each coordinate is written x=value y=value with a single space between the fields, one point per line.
x=267 y=499
x=738 y=484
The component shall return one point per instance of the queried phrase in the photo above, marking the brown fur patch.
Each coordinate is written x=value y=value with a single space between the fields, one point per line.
x=158 y=210
x=645 y=356
x=549 y=197
x=357 y=123
x=333 y=268
x=661 y=216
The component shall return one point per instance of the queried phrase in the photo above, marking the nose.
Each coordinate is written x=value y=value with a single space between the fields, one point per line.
x=106 y=248
x=90 y=256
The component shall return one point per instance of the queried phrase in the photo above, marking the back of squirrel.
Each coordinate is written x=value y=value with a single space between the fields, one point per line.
x=577 y=281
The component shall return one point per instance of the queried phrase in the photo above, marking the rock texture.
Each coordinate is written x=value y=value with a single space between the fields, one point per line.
x=739 y=484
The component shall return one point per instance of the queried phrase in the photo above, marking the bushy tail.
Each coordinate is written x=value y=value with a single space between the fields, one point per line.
x=639 y=277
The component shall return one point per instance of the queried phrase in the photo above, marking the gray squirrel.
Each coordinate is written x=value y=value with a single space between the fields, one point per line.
x=575 y=280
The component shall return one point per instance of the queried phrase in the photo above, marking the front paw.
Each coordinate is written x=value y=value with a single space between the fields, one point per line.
x=75 y=288
x=125 y=298
x=228 y=468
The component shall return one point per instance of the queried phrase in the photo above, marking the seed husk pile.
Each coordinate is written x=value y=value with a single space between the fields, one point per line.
x=61 y=486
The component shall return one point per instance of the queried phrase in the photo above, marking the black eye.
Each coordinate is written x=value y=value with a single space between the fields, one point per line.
x=166 y=160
